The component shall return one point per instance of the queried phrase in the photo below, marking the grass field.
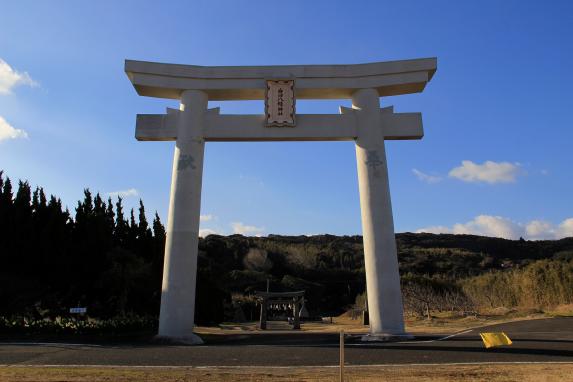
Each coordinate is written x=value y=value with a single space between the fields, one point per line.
x=470 y=373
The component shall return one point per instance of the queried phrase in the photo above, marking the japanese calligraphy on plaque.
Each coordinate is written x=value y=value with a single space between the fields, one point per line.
x=280 y=103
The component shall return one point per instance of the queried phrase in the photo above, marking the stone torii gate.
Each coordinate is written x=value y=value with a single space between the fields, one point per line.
x=293 y=300
x=194 y=124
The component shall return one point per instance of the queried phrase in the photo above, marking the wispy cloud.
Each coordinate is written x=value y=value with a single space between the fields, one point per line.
x=207 y=231
x=206 y=218
x=10 y=78
x=426 y=177
x=248 y=230
x=487 y=172
x=498 y=226
x=124 y=193
x=7 y=131
x=252 y=180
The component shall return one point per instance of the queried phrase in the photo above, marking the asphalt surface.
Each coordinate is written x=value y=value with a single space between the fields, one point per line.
x=547 y=340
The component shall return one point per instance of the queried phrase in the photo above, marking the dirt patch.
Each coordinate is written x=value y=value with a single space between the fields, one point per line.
x=439 y=324
x=471 y=373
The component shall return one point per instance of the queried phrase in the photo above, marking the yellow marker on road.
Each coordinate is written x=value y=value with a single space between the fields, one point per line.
x=495 y=339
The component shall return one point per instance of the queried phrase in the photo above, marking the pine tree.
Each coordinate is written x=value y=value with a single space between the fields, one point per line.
x=57 y=244
x=23 y=225
x=144 y=235
x=35 y=199
x=143 y=226
x=102 y=227
x=5 y=215
x=84 y=210
x=99 y=206
x=120 y=232
x=132 y=233
x=7 y=192
x=110 y=216
x=41 y=230
x=159 y=234
x=158 y=242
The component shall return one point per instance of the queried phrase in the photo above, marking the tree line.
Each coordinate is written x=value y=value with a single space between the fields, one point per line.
x=102 y=256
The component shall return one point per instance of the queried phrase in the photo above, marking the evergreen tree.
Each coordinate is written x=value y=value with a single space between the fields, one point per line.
x=142 y=226
x=91 y=244
x=99 y=206
x=158 y=245
x=121 y=228
x=57 y=244
x=132 y=233
x=41 y=231
x=6 y=195
x=110 y=216
x=5 y=213
x=21 y=251
x=158 y=238
x=144 y=235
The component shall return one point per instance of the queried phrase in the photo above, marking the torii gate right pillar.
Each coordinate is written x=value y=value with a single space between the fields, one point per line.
x=380 y=254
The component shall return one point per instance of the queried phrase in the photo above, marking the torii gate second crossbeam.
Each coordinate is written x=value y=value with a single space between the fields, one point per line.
x=365 y=123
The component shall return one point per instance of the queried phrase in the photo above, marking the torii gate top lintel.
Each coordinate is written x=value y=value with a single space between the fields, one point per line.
x=312 y=81
x=307 y=81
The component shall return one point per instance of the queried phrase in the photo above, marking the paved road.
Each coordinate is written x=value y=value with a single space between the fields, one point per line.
x=533 y=341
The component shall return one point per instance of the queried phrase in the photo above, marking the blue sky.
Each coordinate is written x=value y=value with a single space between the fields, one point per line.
x=495 y=160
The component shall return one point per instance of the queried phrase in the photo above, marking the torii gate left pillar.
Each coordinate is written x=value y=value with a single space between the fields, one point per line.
x=176 y=316
x=193 y=124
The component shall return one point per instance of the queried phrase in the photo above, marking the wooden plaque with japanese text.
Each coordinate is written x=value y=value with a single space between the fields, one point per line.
x=280 y=103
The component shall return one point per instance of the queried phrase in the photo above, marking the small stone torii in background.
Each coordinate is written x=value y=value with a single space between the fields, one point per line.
x=292 y=300
x=194 y=124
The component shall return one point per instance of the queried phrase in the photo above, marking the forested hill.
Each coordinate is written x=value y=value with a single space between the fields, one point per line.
x=110 y=260
x=331 y=268
x=421 y=253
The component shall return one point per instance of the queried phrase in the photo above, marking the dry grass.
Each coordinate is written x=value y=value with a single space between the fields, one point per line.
x=440 y=323
x=565 y=310
x=471 y=373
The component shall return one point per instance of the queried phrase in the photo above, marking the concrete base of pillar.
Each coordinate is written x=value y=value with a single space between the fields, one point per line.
x=192 y=339
x=386 y=337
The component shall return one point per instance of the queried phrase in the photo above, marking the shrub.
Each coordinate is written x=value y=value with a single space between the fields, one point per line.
x=75 y=326
x=540 y=284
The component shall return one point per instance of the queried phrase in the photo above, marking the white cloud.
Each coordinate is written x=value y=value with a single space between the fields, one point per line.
x=9 y=132
x=435 y=229
x=426 y=177
x=206 y=232
x=486 y=225
x=539 y=229
x=497 y=226
x=488 y=172
x=124 y=193
x=9 y=78
x=565 y=229
x=248 y=230
x=206 y=218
